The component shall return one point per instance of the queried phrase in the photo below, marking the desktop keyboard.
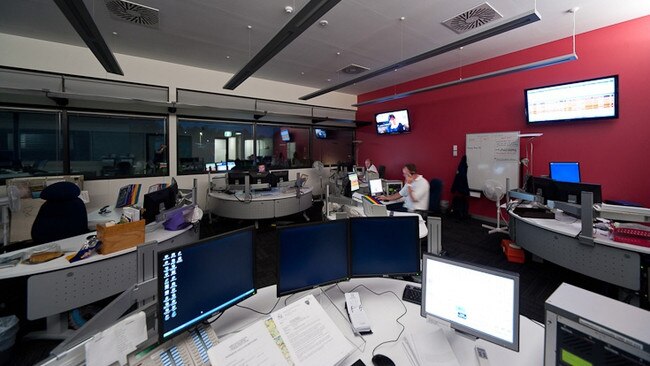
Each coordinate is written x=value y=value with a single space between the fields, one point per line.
x=412 y=294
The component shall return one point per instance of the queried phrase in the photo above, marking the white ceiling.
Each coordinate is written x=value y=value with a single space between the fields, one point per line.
x=213 y=34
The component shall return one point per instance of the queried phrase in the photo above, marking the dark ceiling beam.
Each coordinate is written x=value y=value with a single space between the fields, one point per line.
x=79 y=17
x=531 y=66
x=499 y=28
x=307 y=16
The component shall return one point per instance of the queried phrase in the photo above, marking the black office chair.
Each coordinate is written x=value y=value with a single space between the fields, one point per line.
x=435 y=190
x=381 y=170
x=62 y=215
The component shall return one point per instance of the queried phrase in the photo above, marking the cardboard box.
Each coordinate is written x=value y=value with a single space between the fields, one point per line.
x=513 y=252
x=120 y=236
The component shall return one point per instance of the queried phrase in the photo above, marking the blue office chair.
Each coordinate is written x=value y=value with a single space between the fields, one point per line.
x=62 y=215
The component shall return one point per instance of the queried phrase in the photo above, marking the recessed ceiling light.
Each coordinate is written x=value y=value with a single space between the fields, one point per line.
x=402 y=18
x=249 y=26
x=302 y=73
x=329 y=79
x=114 y=33
x=288 y=9
x=338 y=53
x=227 y=56
x=323 y=23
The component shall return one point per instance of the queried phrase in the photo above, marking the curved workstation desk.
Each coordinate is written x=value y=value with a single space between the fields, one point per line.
x=57 y=286
x=382 y=311
x=558 y=241
x=391 y=319
x=356 y=211
x=278 y=202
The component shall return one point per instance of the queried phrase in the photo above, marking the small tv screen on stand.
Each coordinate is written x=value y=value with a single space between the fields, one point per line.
x=393 y=123
x=284 y=134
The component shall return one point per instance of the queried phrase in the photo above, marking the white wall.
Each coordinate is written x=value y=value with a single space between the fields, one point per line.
x=28 y=53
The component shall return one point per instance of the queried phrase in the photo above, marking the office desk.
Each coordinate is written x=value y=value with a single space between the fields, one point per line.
x=58 y=286
x=556 y=240
x=382 y=312
x=277 y=202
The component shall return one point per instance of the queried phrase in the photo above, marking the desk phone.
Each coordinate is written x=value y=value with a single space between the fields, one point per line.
x=189 y=349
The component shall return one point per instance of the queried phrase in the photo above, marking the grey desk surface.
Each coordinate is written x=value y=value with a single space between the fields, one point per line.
x=570 y=226
x=72 y=245
x=382 y=312
x=273 y=194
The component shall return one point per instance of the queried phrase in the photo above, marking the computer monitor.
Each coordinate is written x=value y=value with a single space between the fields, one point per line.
x=197 y=280
x=257 y=177
x=383 y=246
x=312 y=255
x=230 y=164
x=480 y=301
x=211 y=167
x=572 y=192
x=565 y=171
x=222 y=166
x=543 y=187
x=354 y=181
x=237 y=178
x=281 y=175
x=157 y=201
x=376 y=187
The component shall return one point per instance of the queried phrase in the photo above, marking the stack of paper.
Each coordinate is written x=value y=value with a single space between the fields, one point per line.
x=299 y=334
x=431 y=348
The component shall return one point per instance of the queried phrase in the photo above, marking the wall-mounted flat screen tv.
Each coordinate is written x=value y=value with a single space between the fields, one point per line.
x=320 y=133
x=575 y=101
x=284 y=134
x=393 y=123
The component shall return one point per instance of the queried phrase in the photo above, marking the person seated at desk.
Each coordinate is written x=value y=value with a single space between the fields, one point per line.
x=262 y=171
x=415 y=192
x=370 y=167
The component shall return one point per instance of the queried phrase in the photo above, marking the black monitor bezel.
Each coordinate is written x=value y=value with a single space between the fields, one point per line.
x=160 y=281
x=550 y=169
x=392 y=219
x=279 y=261
x=616 y=102
x=467 y=330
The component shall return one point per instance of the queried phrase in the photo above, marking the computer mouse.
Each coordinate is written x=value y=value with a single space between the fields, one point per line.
x=381 y=360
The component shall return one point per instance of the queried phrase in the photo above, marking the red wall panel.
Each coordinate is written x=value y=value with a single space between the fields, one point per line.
x=613 y=153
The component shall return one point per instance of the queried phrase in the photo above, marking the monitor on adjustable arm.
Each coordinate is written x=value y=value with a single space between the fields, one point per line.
x=385 y=246
x=160 y=200
x=376 y=187
x=191 y=280
x=478 y=301
x=312 y=255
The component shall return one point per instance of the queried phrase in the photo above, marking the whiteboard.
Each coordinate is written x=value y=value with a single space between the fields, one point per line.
x=492 y=156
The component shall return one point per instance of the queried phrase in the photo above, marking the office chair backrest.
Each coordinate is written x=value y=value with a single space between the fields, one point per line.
x=62 y=215
x=435 y=191
x=381 y=170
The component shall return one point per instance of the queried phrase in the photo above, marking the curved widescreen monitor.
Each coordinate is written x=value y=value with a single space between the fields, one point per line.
x=476 y=300
x=393 y=123
x=312 y=255
x=580 y=100
x=383 y=246
x=197 y=280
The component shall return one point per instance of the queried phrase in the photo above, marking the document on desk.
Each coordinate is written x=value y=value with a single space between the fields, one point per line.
x=116 y=342
x=430 y=348
x=301 y=334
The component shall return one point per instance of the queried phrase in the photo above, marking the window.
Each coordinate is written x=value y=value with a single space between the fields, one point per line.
x=117 y=146
x=201 y=142
x=30 y=144
x=334 y=146
x=283 y=147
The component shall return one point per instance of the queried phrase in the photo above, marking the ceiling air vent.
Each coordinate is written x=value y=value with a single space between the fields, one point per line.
x=353 y=69
x=132 y=12
x=472 y=18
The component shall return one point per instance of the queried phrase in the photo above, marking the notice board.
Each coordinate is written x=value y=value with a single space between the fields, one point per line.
x=492 y=156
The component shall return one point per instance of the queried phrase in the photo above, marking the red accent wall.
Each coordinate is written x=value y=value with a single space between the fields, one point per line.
x=614 y=153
